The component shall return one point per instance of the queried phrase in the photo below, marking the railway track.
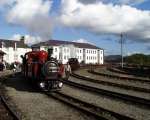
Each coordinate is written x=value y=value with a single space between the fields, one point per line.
x=127 y=87
x=117 y=70
x=11 y=113
x=120 y=77
x=124 y=97
x=97 y=112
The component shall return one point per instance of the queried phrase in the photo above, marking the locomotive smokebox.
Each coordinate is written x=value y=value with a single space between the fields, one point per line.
x=50 y=52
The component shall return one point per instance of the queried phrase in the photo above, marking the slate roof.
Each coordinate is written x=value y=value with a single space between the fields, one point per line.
x=58 y=42
x=11 y=43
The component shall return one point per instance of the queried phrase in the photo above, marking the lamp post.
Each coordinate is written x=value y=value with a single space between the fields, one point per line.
x=121 y=43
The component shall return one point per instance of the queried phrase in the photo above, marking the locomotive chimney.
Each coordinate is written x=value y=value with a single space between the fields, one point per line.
x=50 y=52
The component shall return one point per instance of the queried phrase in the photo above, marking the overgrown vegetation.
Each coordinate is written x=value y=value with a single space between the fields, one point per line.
x=138 y=59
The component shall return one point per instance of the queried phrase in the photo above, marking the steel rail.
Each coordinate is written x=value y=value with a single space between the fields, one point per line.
x=89 y=108
x=11 y=112
x=128 y=87
x=116 y=70
x=120 y=96
x=120 y=77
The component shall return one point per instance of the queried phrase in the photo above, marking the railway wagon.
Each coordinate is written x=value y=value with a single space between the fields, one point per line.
x=42 y=69
x=74 y=64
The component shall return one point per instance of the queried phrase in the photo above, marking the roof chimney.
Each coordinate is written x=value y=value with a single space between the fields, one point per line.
x=22 y=39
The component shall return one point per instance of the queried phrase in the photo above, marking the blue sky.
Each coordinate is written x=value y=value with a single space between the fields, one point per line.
x=78 y=29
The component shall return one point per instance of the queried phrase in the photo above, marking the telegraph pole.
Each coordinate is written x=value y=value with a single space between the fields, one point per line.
x=121 y=43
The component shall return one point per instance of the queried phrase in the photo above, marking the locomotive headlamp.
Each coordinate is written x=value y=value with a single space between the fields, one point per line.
x=60 y=85
x=42 y=84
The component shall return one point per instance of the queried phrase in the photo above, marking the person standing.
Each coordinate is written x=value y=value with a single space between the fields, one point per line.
x=67 y=70
x=4 y=65
x=61 y=70
x=14 y=67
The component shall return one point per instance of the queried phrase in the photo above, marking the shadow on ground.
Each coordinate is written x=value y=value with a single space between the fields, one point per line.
x=18 y=82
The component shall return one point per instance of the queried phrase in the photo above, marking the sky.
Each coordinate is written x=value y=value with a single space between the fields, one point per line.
x=99 y=22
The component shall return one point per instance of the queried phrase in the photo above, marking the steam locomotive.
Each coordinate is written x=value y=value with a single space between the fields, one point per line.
x=42 y=69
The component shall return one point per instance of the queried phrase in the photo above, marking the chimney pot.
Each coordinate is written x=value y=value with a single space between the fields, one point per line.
x=22 y=39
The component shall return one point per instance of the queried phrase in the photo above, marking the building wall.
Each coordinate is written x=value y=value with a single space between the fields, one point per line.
x=64 y=52
x=91 y=56
x=79 y=54
x=13 y=55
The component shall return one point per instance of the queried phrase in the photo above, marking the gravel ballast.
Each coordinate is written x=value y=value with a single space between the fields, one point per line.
x=107 y=71
x=84 y=72
x=37 y=106
x=112 y=88
x=130 y=110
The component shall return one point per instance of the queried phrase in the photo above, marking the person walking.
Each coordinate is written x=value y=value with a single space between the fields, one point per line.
x=67 y=70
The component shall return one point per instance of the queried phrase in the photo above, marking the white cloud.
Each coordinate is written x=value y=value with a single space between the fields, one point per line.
x=81 y=40
x=32 y=15
x=4 y=2
x=28 y=38
x=101 y=18
x=127 y=2
x=131 y=2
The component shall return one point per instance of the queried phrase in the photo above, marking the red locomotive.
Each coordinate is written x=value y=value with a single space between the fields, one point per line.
x=42 y=69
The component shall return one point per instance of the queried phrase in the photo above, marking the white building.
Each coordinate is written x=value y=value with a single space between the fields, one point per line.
x=63 y=50
x=13 y=50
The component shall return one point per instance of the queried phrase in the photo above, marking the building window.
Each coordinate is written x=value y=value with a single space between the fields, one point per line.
x=60 y=57
x=80 y=51
x=46 y=49
x=87 y=51
x=80 y=57
x=65 y=57
x=64 y=49
x=87 y=57
x=101 y=52
x=68 y=50
x=55 y=49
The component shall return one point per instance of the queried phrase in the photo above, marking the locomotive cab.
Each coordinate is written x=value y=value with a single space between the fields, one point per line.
x=42 y=69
